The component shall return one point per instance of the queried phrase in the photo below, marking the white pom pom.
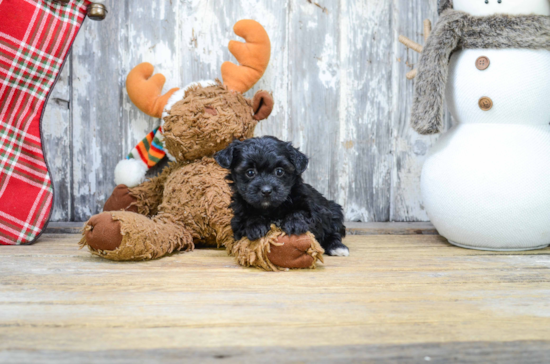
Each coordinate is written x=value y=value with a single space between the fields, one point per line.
x=130 y=172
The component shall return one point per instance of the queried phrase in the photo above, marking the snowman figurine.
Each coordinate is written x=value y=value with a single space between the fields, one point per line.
x=486 y=182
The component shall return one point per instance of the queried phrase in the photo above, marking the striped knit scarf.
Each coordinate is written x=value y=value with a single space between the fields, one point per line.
x=150 y=150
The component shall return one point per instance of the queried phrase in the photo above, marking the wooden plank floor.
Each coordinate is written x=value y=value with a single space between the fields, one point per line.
x=395 y=297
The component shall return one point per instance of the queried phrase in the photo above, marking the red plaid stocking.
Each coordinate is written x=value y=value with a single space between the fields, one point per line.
x=35 y=38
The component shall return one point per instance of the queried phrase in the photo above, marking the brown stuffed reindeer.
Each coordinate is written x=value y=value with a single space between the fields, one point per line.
x=188 y=203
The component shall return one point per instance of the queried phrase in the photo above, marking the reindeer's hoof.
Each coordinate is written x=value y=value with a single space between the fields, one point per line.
x=102 y=232
x=294 y=253
x=121 y=200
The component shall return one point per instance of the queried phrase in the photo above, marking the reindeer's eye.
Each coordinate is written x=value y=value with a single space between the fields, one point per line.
x=279 y=172
x=251 y=173
x=210 y=110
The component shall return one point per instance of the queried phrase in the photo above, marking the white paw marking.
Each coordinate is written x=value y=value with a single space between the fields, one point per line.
x=340 y=252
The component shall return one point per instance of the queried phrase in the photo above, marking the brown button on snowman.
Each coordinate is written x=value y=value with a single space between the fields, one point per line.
x=485 y=103
x=486 y=182
x=482 y=63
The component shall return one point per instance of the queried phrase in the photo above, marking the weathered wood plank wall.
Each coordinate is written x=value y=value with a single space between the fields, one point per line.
x=337 y=74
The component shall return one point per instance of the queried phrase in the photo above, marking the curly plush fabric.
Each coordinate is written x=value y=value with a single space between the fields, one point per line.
x=455 y=30
x=149 y=194
x=190 y=132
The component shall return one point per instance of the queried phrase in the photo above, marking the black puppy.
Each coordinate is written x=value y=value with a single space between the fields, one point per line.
x=268 y=189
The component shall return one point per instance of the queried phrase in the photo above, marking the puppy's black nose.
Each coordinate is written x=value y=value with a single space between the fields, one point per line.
x=266 y=190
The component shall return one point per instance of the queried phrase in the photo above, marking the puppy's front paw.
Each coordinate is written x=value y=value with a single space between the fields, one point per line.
x=256 y=231
x=338 y=250
x=294 y=227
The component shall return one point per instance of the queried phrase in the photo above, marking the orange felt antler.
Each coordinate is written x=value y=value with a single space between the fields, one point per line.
x=146 y=91
x=253 y=56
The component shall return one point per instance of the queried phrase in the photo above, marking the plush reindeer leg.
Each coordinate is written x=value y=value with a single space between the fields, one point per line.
x=123 y=235
x=121 y=200
x=277 y=251
x=144 y=198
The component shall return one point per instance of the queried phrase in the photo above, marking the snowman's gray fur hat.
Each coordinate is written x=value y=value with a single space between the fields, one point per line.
x=444 y=5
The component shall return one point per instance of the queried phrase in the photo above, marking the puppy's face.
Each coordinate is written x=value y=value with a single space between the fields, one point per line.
x=263 y=170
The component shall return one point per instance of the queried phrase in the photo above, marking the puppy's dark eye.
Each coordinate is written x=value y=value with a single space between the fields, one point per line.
x=251 y=173
x=279 y=172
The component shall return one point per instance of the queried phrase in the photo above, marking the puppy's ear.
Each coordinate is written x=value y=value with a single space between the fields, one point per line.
x=298 y=158
x=225 y=157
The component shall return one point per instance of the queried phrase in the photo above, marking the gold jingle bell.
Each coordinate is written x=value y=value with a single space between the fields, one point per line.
x=97 y=11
